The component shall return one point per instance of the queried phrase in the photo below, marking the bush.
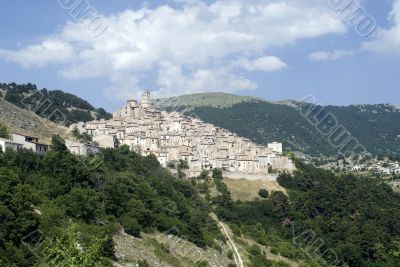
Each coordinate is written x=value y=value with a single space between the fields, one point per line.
x=204 y=175
x=131 y=226
x=263 y=193
x=143 y=263
x=230 y=255
x=4 y=131
x=183 y=164
x=217 y=173
x=171 y=165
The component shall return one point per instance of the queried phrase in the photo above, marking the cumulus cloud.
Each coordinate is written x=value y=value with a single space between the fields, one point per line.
x=173 y=80
x=266 y=63
x=387 y=41
x=187 y=48
x=48 y=52
x=330 y=55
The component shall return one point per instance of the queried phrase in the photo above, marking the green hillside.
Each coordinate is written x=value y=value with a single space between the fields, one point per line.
x=54 y=105
x=118 y=206
x=376 y=127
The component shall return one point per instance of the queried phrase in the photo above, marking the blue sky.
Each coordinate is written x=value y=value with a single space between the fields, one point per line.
x=275 y=49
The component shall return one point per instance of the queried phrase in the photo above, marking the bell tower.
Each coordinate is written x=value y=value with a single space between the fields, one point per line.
x=146 y=101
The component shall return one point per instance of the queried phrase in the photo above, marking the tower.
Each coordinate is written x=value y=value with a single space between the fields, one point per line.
x=133 y=109
x=146 y=101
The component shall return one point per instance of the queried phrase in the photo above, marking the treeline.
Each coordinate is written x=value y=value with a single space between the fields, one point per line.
x=374 y=126
x=76 y=204
x=357 y=219
x=55 y=105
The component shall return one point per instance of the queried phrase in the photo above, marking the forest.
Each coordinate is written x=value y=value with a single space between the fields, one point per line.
x=67 y=200
x=356 y=219
x=53 y=202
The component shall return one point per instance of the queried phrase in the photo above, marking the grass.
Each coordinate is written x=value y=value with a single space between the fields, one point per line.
x=247 y=190
x=396 y=186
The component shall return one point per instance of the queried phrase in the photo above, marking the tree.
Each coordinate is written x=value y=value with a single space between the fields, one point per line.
x=76 y=133
x=270 y=170
x=82 y=137
x=58 y=144
x=171 y=165
x=81 y=203
x=86 y=138
x=183 y=164
x=217 y=173
x=4 y=131
x=204 y=175
x=263 y=193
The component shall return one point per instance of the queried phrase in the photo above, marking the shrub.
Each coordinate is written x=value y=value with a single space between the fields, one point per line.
x=263 y=193
x=217 y=173
x=131 y=226
x=204 y=175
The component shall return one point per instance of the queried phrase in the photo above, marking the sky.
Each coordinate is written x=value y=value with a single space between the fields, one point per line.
x=341 y=52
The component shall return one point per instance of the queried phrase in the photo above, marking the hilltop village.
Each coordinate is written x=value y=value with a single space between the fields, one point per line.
x=172 y=137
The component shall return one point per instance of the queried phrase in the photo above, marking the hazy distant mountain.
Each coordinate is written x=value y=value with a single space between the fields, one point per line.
x=377 y=127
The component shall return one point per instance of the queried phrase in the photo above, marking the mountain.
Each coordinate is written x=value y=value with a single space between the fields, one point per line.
x=376 y=127
x=54 y=105
x=218 y=100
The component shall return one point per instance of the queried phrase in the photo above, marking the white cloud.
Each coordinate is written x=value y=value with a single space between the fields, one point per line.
x=188 y=48
x=387 y=41
x=48 y=52
x=173 y=81
x=330 y=55
x=266 y=63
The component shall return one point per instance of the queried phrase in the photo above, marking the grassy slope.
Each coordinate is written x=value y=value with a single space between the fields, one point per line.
x=204 y=99
x=26 y=122
x=246 y=190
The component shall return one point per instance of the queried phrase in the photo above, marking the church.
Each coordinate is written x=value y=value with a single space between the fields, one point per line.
x=143 y=110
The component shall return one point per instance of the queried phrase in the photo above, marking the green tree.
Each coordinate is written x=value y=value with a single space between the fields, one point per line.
x=4 y=131
x=204 y=175
x=58 y=144
x=183 y=164
x=86 y=138
x=217 y=173
x=81 y=203
x=76 y=133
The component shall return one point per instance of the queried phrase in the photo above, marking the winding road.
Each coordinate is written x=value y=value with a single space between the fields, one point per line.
x=236 y=255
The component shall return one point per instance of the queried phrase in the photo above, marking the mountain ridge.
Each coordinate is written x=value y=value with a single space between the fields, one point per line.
x=55 y=105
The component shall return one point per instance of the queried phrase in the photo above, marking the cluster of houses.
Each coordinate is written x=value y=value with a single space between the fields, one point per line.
x=380 y=168
x=171 y=137
x=18 y=141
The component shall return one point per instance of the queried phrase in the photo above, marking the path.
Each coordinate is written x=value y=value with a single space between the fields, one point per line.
x=236 y=255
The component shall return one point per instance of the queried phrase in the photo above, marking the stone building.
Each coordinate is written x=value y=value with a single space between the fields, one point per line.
x=132 y=110
x=174 y=137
